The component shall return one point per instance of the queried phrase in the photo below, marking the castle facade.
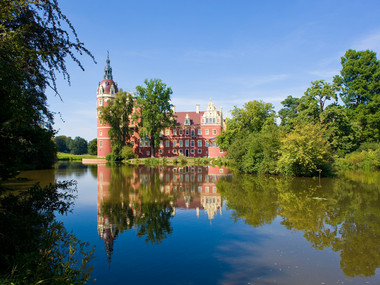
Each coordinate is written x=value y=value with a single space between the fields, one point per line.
x=193 y=135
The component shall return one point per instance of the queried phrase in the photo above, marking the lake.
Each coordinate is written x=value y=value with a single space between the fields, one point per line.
x=206 y=225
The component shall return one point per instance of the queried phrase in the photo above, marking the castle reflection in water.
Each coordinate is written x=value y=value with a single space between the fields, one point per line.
x=128 y=196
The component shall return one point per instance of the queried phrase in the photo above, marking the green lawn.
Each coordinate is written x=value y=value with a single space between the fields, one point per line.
x=69 y=156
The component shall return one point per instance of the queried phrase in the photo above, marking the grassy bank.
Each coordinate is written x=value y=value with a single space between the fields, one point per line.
x=177 y=161
x=73 y=157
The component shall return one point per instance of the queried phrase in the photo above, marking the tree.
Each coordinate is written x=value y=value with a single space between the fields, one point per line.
x=155 y=110
x=93 y=147
x=249 y=119
x=34 y=45
x=118 y=114
x=61 y=143
x=290 y=110
x=359 y=83
x=79 y=146
x=359 y=79
x=305 y=151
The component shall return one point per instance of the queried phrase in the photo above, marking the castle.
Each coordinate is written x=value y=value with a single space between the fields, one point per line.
x=193 y=135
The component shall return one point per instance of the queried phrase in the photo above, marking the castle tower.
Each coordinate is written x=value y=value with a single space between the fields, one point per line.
x=106 y=91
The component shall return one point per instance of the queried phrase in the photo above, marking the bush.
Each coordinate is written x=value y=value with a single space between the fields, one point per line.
x=128 y=153
x=364 y=159
x=305 y=151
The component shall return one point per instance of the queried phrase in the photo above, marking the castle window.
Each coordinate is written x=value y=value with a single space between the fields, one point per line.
x=174 y=143
x=161 y=144
x=206 y=131
x=187 y=132
x=167 y=143
x=193 y=133
x=180 y=144
x=160 y=151
x=167 y=132
x=181 y=151
x=199 y=151
x=100 y=143
x=174 y=151
x=192 y=151
x=199 y=143
x=214 y=132
x=174 y=132
x=100 y=102
x=100 y=133
x=186 y=143
x=192 y=143
x=199 y=132
x=207 y=144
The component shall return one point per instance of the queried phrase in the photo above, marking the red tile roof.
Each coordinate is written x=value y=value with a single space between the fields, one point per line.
x=195 y=118
x=107 y=83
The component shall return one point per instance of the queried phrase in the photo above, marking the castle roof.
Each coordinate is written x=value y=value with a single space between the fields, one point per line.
x=106 y=84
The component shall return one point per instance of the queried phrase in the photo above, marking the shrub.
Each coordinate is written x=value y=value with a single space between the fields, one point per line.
x=128 y=153
x=305 y=151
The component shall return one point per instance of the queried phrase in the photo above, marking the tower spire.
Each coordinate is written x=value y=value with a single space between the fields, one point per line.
x=108 y=69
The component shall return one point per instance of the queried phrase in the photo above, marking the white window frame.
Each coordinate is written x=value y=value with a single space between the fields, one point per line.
x=207 y=132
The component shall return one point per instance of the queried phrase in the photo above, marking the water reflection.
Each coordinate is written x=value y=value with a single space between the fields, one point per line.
x=146 y=199
x=341 y=213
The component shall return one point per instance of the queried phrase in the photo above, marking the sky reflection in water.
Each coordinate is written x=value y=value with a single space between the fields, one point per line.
x=203 y=225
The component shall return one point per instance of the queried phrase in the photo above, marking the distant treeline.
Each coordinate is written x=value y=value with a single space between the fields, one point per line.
x=77 y=145
x=317 y=135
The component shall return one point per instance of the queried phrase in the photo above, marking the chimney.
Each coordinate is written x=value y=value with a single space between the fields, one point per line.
x=197 y=108
x=173 y=108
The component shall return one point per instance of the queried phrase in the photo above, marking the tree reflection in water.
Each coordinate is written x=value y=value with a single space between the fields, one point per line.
x=145 y=199
x=342 y=213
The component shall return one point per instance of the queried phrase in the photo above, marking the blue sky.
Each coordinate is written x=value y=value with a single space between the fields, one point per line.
x=230 y=52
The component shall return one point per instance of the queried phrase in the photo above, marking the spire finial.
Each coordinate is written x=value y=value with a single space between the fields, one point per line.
x=108 y=69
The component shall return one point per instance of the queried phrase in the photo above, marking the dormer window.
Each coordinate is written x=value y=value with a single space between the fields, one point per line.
x=187 y=120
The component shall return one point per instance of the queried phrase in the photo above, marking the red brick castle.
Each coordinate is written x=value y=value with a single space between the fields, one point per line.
x=194 y=133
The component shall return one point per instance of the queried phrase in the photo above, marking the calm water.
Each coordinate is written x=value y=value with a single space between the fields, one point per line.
x=203 y=225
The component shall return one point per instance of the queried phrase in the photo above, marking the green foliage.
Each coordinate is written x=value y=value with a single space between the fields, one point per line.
x=305 y=151
x=63 y=143
x=359 y=83
x=35 y=247
x=118 y=114
x=128 y=153
x=93 y=147
x=289 y=112
x=367 y=157
x=359 y=78
x=28 y=148
x=155 y=110
x=245 y=121
x=114 y=157
x=79 y=146
x=33 y=46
